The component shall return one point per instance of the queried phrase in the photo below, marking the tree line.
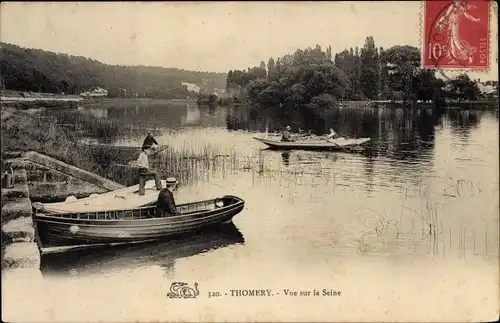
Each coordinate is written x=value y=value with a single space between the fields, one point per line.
x=24 y=69
x=313 y=77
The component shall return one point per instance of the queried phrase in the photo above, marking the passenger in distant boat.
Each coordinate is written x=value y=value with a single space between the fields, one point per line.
x=145 y=171
x=332 y=135
x=287 y=135
x=165 y=206
x=150 y=141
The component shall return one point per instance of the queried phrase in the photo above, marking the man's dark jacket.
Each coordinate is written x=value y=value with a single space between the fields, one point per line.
x=165 y=205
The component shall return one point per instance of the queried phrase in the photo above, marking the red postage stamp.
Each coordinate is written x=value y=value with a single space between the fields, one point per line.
x=456 y=34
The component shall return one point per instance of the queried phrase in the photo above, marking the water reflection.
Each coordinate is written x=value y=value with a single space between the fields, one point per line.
x=399 y=133
x=159 y=114
x=162 y=254
x=462 y=122
x=286 y=158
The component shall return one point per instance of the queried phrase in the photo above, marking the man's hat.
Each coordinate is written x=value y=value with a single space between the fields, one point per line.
x=171 y=181
x=288 y=128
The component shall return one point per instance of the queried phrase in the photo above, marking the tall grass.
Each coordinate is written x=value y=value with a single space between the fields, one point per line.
x=186 y=164
x=24 y=132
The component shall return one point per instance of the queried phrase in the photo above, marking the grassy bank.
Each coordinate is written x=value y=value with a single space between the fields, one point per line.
x=22 y=131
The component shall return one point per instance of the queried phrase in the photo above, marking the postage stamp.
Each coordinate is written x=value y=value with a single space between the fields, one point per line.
x=456 y=35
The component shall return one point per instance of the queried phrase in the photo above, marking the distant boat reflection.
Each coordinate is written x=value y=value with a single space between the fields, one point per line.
x=286 y=158
x=163 y=254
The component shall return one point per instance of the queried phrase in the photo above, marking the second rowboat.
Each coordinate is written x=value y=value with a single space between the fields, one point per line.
x=336 y=144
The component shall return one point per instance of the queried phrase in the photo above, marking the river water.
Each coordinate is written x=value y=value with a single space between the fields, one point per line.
x=407 y=228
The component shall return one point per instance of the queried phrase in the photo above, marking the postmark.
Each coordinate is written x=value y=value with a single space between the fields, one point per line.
x=456 y=35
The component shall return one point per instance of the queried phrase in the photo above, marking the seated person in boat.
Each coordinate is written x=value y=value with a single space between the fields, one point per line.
x=165 y=206
x=150 y=141
x=287 y=135
x=146 y=172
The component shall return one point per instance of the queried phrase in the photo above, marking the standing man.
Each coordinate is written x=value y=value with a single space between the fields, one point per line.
x=145 y=171
x=150 y=141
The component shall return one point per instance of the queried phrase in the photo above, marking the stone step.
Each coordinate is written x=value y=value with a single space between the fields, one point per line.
x=20 y=176
x=16 y=209
x=12 y=154
x=73 y=171
x=21 y=255
x=17 y=163
x=48 y=176
x=18 y=230
x=18 y=191
x=61 y=190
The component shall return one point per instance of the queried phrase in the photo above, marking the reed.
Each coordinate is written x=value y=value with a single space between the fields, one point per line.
x=187 y=164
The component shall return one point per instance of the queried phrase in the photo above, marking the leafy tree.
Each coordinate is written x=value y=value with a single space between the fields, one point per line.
x=329 y=53
x=271 y=95
x=229 y=80
x=295 y=79
x=383 y=72
x=462 y=87
x=254 y=88
x=310 y=76
x=323 y=100
x=426 y=86
x=370 y=77
x=271 y=70
x=401 y=64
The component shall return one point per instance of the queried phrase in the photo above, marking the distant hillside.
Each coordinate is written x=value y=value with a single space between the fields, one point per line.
x=36 y=70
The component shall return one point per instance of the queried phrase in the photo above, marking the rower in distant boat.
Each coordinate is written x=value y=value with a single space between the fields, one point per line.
x=150 y=141
x=165 y=206
x=287 y=135
x=145 y=171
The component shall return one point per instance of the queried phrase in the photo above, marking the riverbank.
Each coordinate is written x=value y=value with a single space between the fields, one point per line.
x=32 y=100
x=26 y=103
x=464 y=105
x=137 y=101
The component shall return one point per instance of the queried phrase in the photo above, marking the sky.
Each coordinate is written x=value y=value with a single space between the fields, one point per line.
x=211 y=36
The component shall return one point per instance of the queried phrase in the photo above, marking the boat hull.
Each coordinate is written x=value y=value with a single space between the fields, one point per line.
x=341 y=145
x=56 y=230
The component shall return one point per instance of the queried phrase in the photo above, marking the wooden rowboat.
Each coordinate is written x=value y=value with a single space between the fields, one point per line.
x=74 y=230
x=124 y=198
x=337 y=144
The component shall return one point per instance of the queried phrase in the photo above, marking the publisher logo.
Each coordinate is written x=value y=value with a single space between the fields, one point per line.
x=182 y=290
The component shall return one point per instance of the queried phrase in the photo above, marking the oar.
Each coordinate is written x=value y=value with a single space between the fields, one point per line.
x=156 y=152
x=343 y=148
